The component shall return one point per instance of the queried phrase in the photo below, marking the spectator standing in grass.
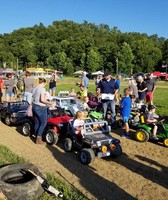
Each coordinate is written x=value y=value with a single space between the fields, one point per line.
x=118 y=82
x=29 y=84
x=9 y=86
x=52 y=85
x=134 y=90
x=142 y=88
x=151 y=86
x=125 y=105
x=98 y=79
x=85 y=80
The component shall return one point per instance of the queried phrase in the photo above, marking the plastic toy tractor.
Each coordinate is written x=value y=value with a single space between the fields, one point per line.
x=144 y=133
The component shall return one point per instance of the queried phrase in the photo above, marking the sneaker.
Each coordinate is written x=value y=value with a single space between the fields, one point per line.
x=155 y=138
x=127 y=135
x=123 y=135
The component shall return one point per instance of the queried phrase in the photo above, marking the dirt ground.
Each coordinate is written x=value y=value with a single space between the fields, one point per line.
x=140 y=173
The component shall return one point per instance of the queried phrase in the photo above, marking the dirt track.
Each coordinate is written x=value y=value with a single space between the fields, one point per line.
x=140 y=173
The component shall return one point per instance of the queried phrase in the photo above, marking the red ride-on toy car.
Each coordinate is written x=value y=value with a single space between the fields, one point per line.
x=56 y=126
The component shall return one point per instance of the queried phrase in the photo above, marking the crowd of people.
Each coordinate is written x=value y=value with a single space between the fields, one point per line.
x=139 y=90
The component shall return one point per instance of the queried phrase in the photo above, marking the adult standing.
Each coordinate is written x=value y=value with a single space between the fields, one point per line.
x=108 y=89
x=134 y=89
x=151 y=86
x=39 y=107
x=98 y=79
x=29 y=84
x=52 y=85
x=85 y=80
x=142 y=88
x=1 y=87
x=9 y=86
x=118 y=82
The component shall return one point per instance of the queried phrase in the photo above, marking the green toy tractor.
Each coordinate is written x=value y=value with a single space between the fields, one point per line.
x=144 y=133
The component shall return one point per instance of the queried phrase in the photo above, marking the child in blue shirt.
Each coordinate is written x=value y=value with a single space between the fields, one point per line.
x=125 y=105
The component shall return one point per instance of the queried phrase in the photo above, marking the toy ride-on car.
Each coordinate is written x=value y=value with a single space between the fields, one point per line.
x=137 y=117
x=96 y=141
x=13 y=113
x=144 y=133
x=56 y=126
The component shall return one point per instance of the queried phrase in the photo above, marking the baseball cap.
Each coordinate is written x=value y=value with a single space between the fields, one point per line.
x=107 y=73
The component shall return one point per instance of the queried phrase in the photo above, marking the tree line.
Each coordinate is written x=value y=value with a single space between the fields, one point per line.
x=69 y=46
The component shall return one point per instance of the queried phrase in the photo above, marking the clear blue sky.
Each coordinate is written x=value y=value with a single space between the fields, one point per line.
x=143 y=16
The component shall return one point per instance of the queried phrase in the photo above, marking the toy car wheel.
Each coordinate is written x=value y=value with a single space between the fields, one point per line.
x=142 y=135
x=117 y=151
x=86 y=156
x=7 y=120
x=51 y=137
x=120 y=123
x=26 y=129
x=165 y=142
x=67 y=144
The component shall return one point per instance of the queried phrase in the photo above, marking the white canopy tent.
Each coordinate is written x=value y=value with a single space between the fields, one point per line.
x=79 y=72
x=97 y=73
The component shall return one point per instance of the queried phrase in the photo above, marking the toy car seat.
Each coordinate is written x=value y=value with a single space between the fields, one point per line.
x=77 y=138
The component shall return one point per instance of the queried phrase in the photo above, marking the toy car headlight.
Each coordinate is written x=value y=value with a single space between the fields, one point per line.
x=112 y=147
x=103 y=148
x=98 y=143
x=14 y=114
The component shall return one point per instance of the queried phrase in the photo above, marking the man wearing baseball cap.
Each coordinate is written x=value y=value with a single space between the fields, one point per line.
x=107 y=89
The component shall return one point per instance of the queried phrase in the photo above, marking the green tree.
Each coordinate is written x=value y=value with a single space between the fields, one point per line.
x=125 y=58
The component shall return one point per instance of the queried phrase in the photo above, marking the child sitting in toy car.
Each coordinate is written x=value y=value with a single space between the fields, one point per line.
x=151 y=120
x=85 y=101
x=78 y=123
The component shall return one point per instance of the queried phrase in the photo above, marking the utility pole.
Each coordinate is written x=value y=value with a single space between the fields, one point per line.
x=117 y=65
x=17 y=61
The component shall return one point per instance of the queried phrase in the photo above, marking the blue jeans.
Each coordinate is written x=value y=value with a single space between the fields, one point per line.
x=27 y=96
x=109 y=104
x=40 y=119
